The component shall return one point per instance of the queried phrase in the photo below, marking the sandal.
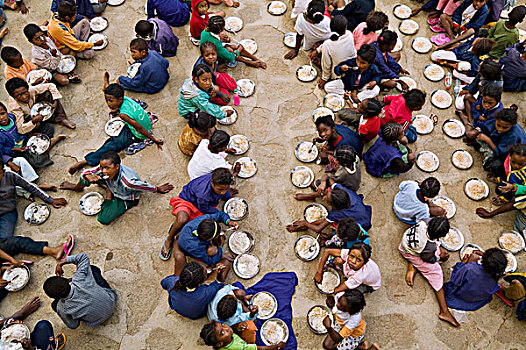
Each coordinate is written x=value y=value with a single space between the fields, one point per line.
x=437 y=28
x=74 y=79
x=433 y=21
x=134 y=148
x=67 y=249
x=492 y=178
x=500 y=294
x=60 y=341
x=498 y=201
x=439 y=39
x=169 y=255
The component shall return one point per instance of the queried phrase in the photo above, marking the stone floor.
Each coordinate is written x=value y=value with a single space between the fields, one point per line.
x=275 y=119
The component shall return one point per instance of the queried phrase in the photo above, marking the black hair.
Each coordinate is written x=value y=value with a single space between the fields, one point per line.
x=430 y=187
x=338 y=26
x=8 y=53
x=518 y=149
x=387 y=38
x=201 y=121
x=207 y=45
x=494 y=262
x=340 y=199
x=57 y=287
x=482 y=46
x=346 y=156
x=355 y=300
x=192 y=276
x=315 y=11
x=14 y=83
x=216 y=24
x=218 y=140
x=516 y=15
x=139 y=44
x=208 y=229
x=31 y=30
x=492 y=90
x=348 y=230
x=326 y=119
x=490 y=70
x=111 y=156
x=144 y=28
x=390 y=132
x=2 y=105
x=367 y=53
x=201 y=69
x=375 y=20
x=114 y=90
x=222 y=176
x=438 y=227
x=208 y=334
x=2 y=163
x=365 y=249
x=66 y=9
x=226 y=307
x=374 y=107
x=414 y=98
x=507 y=115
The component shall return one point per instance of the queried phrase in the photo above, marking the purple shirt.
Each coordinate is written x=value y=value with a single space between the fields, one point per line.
x=200 y=193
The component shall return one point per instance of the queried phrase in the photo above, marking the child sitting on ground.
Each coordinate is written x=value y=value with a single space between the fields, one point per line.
x=355 y=12
x=174 y=13
x=389 y=156
x=365 y=32
x=400 y=108
x=200 y=196
x=201 y=125
x=483 y=110
x=84 y=9
x=514 y=68
x=386 y=63
x=16 y=65
x=149 y=72
x=346 y=235
x=159 y=36
x=199 y=19
x=22 y=99
x=490 y=72
x=71 y=41
x=334 y=135
x=221 y=336
x=412 y=204
x=505 y=32
x=364 y=119
x=421 y=248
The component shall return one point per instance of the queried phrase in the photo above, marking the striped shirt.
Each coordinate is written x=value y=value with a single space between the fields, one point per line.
x=8 y=184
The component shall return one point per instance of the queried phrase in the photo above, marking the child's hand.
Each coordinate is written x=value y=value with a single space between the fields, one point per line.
x=483 y=118
x=371 y=85
x=321 y=83
x=53 y=52
x=344 y=68
x=507 y=187
x=483 y=213
x=219 y=266
x=225 y=98
x=330 y=301
x=229 y=112
x=231 y=151
x=281 y=345
x=93 y=178
x=233 y=224
x=482 y=137
x=98 y=42
x=158 y=142
x=234 y=191
x=224 y=37
x=165 y=188
x=444 y=255
x=405 y=72
x=37 y=118
x=318 y=277
x=211 y=250
x=411 y=157
x=327 y=322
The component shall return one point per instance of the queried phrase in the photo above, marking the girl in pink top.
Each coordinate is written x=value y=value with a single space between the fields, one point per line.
x=400 y=108
x=364 y=33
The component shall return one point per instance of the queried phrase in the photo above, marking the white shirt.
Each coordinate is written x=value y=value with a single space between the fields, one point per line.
x=204 y=162
x=313 y=32
x=335 y=52
x=468 y=14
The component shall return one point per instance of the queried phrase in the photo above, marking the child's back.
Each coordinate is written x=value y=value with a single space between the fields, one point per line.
x=173 y=12
x=152 y=75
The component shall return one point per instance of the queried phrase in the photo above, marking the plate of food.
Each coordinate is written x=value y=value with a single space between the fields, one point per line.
x=289 y=40
x=434 y=72
x=306 y=152
x=267 y=305
x=133 y=69
x=402 y=11
x=422 y=44
x=249 y=167
x=427 y=161
x=115 y=2
x=66 y=64
x=301 y=176
x=276 y=8
x=12 y=335
x=447 y=204
x=334 y=102
x=512 y=241
x=441 y=99
x=409 y=81
x=33 y=76
x=249 y=45
x=330 y=280
x=239 y=143
x=321 y=112
x=522 y=35
x=246 y=266
x=114 y=127
x=91 y=203
x=96 y=37
x=45 y=109
x=408 y=27
x=315 y=318
x=512 y=262
x=462 y=159
x=306 y=73
x=399 y=45
x=314 y=212
x=274 y=331
x=469 y=248
x=230 y=119
x=37 y=213
x=240 y=242
x=38 y=143
x=423 y=124
x=246 y=87
x=233 y=24
x=98 y=24
x=17 y=276
x=236 y=208
x=476 y=189
x=453 y=241
x=453 y=128
x=306 y=248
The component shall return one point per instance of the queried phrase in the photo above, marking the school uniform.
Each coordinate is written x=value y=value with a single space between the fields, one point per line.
x=355 y=11
x=312 y=33
x=335 y=51
x=353 y=79
x=174 y=12
x=151 y=76
x=346 y=137
x=369 y=128
x=503 y=141
x=478 y=111
x=162 y=39
x=360 y=212
x=387 y=66
x=514 y=69
x=467 y=17
x=407 y=206
x=222 y=52
x=84 y=9
x=380 y=156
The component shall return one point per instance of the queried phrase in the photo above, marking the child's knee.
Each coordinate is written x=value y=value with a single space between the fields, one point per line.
x=105 y=219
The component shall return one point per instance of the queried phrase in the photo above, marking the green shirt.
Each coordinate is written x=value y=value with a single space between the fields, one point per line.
x=222 y=52
x=133 y=110
x=239 y=344
x=504 y=37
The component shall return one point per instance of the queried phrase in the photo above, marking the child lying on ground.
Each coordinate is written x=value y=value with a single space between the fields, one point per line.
x=199 y=19
x=365 y=32
x=159 y=36
x=149 y=72
x=364 y=119
x=412 y=204
x=221 y=336
x=490 y=72
x=175 y=13
x=400 y=108
x=483 y=110
x=16 y=65
x=514 y=68
x=334 y=135
x=505 y=32
x=201 y=125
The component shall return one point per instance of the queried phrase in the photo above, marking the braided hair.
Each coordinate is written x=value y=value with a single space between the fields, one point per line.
x=430 y=187
x=346 y=156
x=201 y=121
x=216 y=24
x=192 y=276
x=438 y=227
x=208 y=334
x=391 y=132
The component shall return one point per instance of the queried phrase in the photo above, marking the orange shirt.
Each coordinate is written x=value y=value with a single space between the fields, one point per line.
x=12 y=72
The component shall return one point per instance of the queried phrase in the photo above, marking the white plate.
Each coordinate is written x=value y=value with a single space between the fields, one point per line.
x=409 y=81
x=314 y=212
x=98 y=24
x=276 y=8
x=469 y=249
x=266 y=303
x=36 y=213
x=462 y=159
x=447 y=204
x=402 y=11
x=133 y=69
x=408 y=27
x=512 y=262
x=115 y=2
x=36 y=74
x=246 y=266
x=38 y=143
x=453 y=241
x=476 y=189
x=66 y=64
x=91 y=203
x=301 y=176
x=522 y=35
x=240 y=143
x=434 y=72
x=441 y=99
x=422 y=44
x=250 y=45
x=399 y=45
x=114 y=127
x=512 y=241
x=306 y=152
x=245 y=87
x=306 y=73
x=453 y=128
x=320 y=112
x=315 y=318
x=427 y=161
x=330 y=280
x=290 y=40
x=96 y=37
x=228 y=120
x=249 y=167
x=274 y=331
x=43 y=108
x=423 y=124
x=307 y=248
x=18 y=277
x=233 y=24
x=240 y=242
x=334 y=102
x=236 y=208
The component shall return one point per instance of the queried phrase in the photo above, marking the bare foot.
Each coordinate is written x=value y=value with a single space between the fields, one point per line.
x=66 y=185
x=448 y=318
x=260 y=64
x=106 y=80
x=47 y=187
x=60 y=249
x=3 y=32
x=27 y=309
x=77 y=166
x=301 y=197
x=374 y=347
x=363 y=346
x=410 y=275
x=68 y=124
x=235 y=4
x=167 y=247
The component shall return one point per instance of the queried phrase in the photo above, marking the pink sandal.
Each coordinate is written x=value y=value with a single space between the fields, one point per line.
x=440 y=39
x=437 y=28
x=67 y=249
x=433 y=21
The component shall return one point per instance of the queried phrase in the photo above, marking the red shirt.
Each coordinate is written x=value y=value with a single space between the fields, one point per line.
x=396 y=111
x=369 y=127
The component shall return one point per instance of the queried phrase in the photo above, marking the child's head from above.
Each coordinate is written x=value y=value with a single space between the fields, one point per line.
x=18 y=89
x=191 y=277
x=57 y=287
x=482 y=46
x=67 y=11
x=415 y=99
x=517 y=152
x=4 y=116
x=203 y=123
x=11 y=56
x=35 y=35
x=338 y=198
x=325 y=126
x=208 y=229
x=138 y=49
x=114 y=95
x=218 y=141
x=430 y=187
x=490 y=70
x=216 y=24
x=477 y=4
x=491 y=95
x=315 y=11
x=202 y=7
x=348 y=230
x=517 y=15
x=202 y=76
x=338 y=27
x=216 y=334
x=375 y=20
x=365 y=57
x=494 y=262
x=392 y=132
x=352 y=301
x=438 y=227
x=359 y=255
x=209 y=52
x=221 y=180
x=505 y=119
x=110 y=165
x=226 y=307
x=387 y=40
x=346 y=156
x=144 y=29
x=370 y=108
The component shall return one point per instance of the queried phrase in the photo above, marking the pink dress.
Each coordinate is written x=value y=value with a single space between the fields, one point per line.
x=448 y=6
x=432 y=272
x=368 y=274
x=360 y=38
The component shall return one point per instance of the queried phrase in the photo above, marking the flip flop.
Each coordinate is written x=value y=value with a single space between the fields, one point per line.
x=26 y=262
x=169 y=251
x=500 y=294
x=67 y=250
x=433 y=21
x=60 y=341
x=437 y=28
x=439 y=39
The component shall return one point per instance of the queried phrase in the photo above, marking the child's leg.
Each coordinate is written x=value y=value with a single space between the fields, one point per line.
x=60 y=79
x=225 y=81
x=57 y=251
x=447 y=23
x=444 y=314
x=179 y=259
x=56 y=140
x=329 y=344
x=82 y=32
x=112 y=209
x=117 y=144
x=306 y=196
x=218 y=100
x=78 y=187
x=466 y=34
x=410 y=274
x=181 y=218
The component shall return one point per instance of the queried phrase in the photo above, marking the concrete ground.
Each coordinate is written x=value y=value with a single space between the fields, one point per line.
x=275 y=119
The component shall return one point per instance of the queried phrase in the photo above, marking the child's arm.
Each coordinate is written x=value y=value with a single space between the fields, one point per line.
x=203 y=104
x=326 y=253
x=485 y=138
x=136 y=82
x=294 y=52
x=316 y=226
x=485 y=214
x=141 y=130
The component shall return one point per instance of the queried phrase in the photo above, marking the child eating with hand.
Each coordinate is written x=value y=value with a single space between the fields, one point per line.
x=400 y=108
x=222 y=337
x=201 y=125
x=387 y=64
x=334 y=135
x=159 y=36
x=412 y=204
x=482 y=110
